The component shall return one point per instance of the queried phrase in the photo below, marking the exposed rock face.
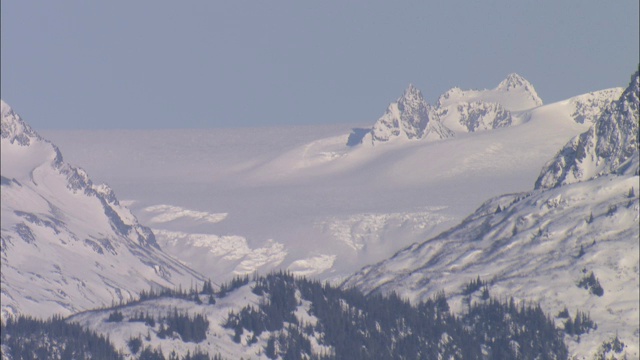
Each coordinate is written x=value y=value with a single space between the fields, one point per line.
x=589 y=107
x=483 y=116
x=610 y=145
x=410 y=117
x=479 y=110
x=515 y=82
x=68 y=238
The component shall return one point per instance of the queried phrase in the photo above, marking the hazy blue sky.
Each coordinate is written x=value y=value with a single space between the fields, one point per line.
x=171 y=64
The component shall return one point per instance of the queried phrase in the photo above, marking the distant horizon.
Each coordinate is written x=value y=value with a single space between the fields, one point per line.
x=154 y=65
x=353 y=124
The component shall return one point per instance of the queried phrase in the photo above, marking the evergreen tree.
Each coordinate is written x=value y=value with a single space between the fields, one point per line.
x=134 y=344
x=115 y=316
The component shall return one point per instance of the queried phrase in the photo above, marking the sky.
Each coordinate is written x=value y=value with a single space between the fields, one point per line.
x=206 y=64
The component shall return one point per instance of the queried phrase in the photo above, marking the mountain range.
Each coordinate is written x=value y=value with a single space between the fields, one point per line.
x=326 y=207
x=580 y=220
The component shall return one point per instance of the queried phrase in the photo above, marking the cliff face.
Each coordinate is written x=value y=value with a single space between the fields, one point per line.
x=609 y=146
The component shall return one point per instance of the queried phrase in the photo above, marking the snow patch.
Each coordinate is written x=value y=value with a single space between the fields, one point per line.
x=360 y=230
x=312 y=266
x=167 y=213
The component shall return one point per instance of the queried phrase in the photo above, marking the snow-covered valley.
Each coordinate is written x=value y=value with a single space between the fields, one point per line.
x=336 y=203
x=301 y=199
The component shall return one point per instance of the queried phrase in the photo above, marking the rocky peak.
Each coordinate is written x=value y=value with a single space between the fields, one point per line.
x=408 y=117
x=14 y=128
x=589 y=107
x=513 y=81
x=16 y=132
x=609 y=146
x=411 y=96
x=630 y=95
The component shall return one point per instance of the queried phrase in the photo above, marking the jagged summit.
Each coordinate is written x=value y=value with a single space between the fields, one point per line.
x=514 y=93
x=14 y=128
x=410 y=117
x=42 y=156
x=513 y=81
x=457 y=110
x=5 y=109
x=412 y=104
x=480 y=110
x=609 y=146
x=630 y=95
x=588 y=108
x=412 y=93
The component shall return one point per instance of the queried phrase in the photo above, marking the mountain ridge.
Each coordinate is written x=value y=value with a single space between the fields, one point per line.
x=541 y=245
x=410 y=117
x=65 y=235
x=603 y=149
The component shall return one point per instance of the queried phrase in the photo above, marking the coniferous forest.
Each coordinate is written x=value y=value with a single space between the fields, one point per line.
x=29 y=338
x=347 y=325
x=356 y=326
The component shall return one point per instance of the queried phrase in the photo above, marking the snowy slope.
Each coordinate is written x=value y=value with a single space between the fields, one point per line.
x=531 y=250
x=229 y=201
x=538 y=245
x=68 y=244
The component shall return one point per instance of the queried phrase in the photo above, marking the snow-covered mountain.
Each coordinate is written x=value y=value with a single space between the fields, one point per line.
x=233 y=201
x=545 y=244
x=589 y=107
x=410 y=117
x=609 y=146
x=476 y=110
x=476 y=116
x=515 y=93
x=67 y=243
x=456 y=111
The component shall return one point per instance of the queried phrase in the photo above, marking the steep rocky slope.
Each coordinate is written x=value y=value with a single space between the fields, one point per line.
x=67 y=243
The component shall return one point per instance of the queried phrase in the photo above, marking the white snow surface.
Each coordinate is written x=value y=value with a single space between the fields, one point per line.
x=299 y=198
x=530 y=250
x=537 y=245
x=167 y=213
x=234 y=201
x=67 y=244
